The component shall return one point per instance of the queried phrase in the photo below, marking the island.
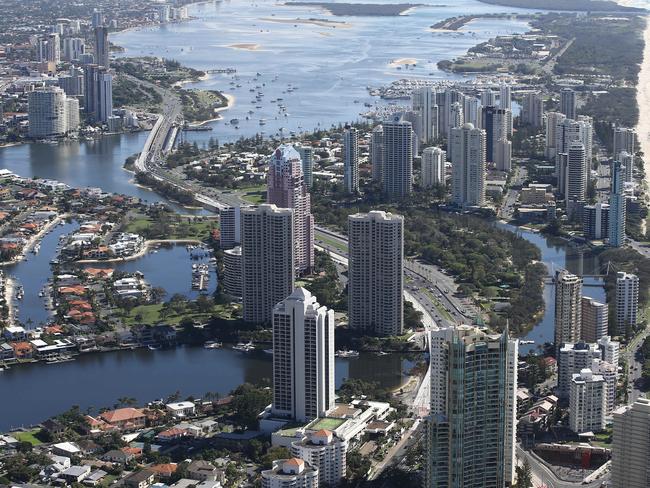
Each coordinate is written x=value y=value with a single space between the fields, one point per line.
x=362 y=9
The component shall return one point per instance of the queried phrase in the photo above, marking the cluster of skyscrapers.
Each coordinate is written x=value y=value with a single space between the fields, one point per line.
x=478 y=132
x=54 y=112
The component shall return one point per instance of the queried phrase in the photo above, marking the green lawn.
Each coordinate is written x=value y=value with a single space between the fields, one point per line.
x=27 y=437
x=255 y=195
x=151 y=315
x=327 y=424
x=193 y=229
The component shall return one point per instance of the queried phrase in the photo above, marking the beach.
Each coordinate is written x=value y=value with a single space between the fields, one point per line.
x=402 y=62
x=318 y=22
x=245 y=46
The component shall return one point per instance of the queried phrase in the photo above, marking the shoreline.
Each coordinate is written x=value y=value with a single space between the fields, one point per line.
x=231 y=99
x=35 y=239
x=643 y=100
x=141 y=253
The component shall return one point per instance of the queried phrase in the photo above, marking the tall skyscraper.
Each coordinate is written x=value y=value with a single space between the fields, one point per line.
x=587 y=402
x=48 y=112
x=472 y=421
x=571 y=359
x=617 y=210
x=73 y=83
x=568 y=102
x=377 y=152
x=90 y=90
x=351 y=159
x=433 y=167
x=97 y=19
x=397 y=158
x=48 y=48
x=232 y=279
x=553 y=120
x=286 y=189
x=376 y=276
x=627 y=302
x=416 y=124
x=594 y=320
x=455 y=117
x=307 y=157
x=576 y=176
x=624 y=140
x=569 y=131
x=424 y=102
x=505 y=97
x=303 y=357
x=104 y=93
x=450 y=114
x=505 y=102
x=468 y=165
x=562 y=172
x=495 y=125
x=595 y=221
x=532 y=110
x=488 y=98
x=627 y=161
x=472 y=111
x=267 y=260
x=230 y=227
x=568 y=308
x=73 y=47
x=102 y=46
x=631 y=445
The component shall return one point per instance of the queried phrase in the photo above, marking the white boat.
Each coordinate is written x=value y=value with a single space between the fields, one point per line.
x=268 y=351
x=526 y=342
x=244 y=347
x=212 y=345
x=347 y=354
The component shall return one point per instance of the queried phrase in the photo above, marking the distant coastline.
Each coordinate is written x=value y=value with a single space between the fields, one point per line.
x=575 y=5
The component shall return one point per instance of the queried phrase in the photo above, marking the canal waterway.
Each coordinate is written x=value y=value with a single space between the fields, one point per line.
x=33 y=392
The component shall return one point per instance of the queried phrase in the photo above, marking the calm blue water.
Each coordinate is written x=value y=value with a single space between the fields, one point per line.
x=170 y=268
x=557 y=255
x=330 y=66
x=39 y=391
x=33 y=275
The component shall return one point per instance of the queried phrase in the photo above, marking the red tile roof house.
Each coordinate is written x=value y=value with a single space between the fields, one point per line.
x=125 y=418
x=172 y=434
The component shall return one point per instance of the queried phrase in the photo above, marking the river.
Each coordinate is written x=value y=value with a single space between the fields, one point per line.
x=330 y=75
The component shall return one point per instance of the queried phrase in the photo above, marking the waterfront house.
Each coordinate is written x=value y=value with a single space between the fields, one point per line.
x=23 y=350
x=53 y=427
x=97 y=425
x=6 y=352
x=125 y=418
x=141 y=479
x=181 y=409
x=15 y=333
